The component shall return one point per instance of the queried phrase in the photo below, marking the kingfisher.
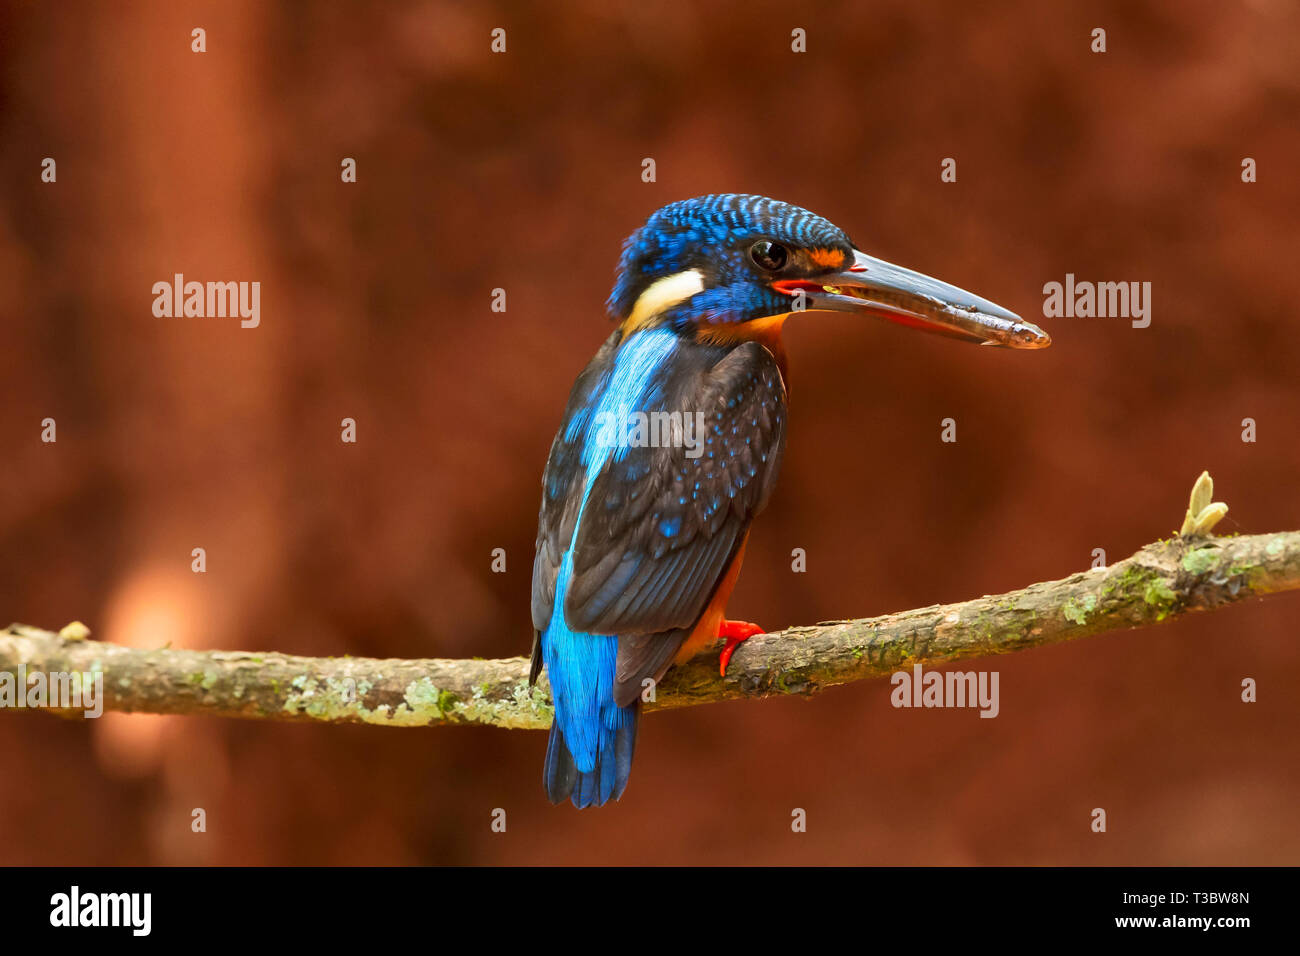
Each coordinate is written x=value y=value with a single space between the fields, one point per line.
x=670 y=446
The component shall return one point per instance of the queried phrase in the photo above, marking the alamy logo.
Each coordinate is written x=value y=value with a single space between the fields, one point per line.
x=212 y=300
x=74 y=908
x=629 y=429
x=63 y=690
x=1125 y=300
x=952 y=689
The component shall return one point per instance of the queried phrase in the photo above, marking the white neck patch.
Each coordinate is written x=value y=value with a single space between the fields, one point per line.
x=665 y=293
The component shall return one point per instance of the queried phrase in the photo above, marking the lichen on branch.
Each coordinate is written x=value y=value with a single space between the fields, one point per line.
x=1161 y=581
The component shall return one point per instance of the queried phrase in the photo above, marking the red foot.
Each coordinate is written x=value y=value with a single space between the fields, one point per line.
x=735 y=632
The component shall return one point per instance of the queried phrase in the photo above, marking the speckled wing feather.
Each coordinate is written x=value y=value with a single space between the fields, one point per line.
x=660 y=528
x=562 y=484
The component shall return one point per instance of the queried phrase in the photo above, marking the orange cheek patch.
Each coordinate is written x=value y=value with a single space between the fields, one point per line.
x=827 y=258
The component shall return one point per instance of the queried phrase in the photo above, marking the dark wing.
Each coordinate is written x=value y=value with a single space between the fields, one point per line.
x=562 y=484
x=661 y=528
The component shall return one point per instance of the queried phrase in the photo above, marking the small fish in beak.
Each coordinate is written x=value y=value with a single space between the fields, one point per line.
x=872 y=286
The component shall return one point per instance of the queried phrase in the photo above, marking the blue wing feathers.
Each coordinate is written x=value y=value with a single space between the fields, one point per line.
x=634 y=540
x=589 y=755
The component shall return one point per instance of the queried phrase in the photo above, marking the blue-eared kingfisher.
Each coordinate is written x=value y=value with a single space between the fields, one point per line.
x=671 y=444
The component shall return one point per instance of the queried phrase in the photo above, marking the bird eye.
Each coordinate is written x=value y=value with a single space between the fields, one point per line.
x=768 y=255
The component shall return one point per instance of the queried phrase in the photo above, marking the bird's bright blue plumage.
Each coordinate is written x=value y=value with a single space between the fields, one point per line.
x=639 y=543
x=589 y=728
x=709 y=233
x=636 y=541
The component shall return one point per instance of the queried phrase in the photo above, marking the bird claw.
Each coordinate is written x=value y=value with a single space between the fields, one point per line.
x=736 y=633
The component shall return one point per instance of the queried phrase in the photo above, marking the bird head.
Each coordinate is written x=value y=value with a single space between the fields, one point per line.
x=731 y=267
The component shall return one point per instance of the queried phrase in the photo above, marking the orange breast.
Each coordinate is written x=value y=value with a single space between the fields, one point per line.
x=706 y=631
x=766 y=332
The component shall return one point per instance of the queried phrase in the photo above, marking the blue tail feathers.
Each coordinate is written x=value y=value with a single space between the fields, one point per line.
x=589 y=756
x=606 y=775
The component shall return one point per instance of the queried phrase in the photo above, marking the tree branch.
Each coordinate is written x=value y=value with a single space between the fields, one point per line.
x=1159 y=582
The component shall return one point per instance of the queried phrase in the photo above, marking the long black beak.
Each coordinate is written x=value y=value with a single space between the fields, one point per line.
x=871 y=286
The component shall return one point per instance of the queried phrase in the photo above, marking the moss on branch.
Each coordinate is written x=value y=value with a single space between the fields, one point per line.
x=1162 y=581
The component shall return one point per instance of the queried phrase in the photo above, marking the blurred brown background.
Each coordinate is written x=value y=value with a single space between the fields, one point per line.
x=522 y=170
